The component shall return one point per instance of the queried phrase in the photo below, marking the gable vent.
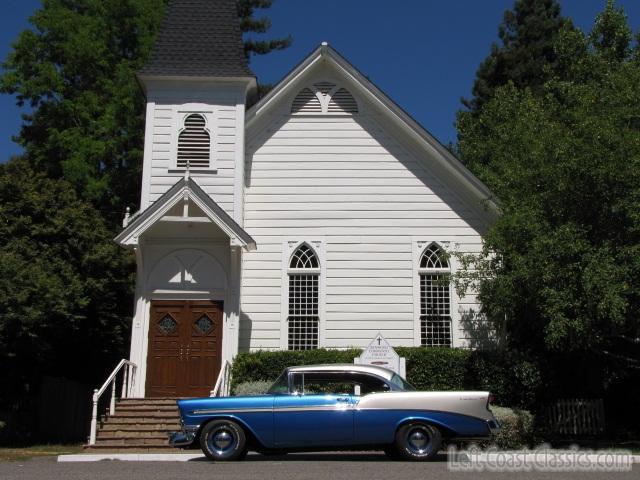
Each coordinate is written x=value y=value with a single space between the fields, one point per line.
x=306 y=102
x=324 y=87
x=342 y=102
x=194 y=143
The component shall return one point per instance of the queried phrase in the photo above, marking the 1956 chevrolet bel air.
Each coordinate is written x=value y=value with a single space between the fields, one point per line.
x=330 y=407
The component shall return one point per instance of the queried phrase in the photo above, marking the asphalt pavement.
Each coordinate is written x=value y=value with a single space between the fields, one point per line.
x=333 y=466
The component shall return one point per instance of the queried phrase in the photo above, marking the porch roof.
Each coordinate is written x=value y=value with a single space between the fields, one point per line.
x=186 y=189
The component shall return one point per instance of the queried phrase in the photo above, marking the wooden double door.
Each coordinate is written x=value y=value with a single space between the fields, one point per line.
x=185 y=348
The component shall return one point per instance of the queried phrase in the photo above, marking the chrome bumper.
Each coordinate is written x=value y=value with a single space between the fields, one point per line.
x=183 y=438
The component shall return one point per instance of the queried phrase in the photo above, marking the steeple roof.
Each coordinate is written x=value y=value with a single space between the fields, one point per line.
x=199 y=38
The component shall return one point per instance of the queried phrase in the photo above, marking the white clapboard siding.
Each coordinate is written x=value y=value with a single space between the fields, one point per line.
x=218 y=180
x=349 y=184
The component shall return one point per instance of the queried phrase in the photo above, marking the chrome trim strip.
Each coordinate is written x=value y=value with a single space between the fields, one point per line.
x=306 y=408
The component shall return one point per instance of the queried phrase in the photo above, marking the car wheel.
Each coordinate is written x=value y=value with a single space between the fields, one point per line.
x=223 y=440
x=418 y=441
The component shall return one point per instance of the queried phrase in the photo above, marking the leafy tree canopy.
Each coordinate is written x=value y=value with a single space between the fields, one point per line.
x=525 y=55
x=561 y=266
x=75 y=73
x=62 y=282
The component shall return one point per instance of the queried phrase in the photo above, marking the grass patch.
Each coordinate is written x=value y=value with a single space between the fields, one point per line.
x=25 y=453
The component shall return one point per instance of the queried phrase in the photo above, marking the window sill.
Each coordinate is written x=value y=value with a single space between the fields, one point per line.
x=194 y=171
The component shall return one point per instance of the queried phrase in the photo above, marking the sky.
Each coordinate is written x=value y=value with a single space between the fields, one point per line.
x=421 y=53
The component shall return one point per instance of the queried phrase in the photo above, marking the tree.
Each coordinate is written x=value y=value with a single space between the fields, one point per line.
x=65 y=285
x=526 y=55
x=75 y=70
x=249 y=24
x=561 y=264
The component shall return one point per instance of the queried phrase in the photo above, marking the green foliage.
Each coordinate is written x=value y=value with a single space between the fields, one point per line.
x=435 y=368
x=62 y=282
x=560 y=267
x=525 y=56
x=516 y=428
x=251 y=388
x=512 y=378
x=246 y=11
x=267 y=365
x=75 y=70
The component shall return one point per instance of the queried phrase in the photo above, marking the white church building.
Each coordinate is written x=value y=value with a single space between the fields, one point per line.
x=316 y=218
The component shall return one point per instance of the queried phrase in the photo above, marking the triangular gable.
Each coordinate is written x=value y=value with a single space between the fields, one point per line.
x=188 y=188
x=393 y=112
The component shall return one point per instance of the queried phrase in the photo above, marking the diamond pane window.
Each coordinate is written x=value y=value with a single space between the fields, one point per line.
x=167 y=324
x=204 y=324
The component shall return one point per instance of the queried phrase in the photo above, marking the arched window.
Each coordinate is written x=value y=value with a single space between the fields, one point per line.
x=194 y=143
x=435 y=298
x=303 y=318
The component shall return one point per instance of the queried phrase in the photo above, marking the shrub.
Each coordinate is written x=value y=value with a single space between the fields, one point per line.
x=435 y=368
x=268 y=365
x=517 y=428
x=251 y=388
x=511 y=377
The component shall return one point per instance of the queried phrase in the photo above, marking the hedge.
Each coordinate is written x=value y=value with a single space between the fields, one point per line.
x=511 y=377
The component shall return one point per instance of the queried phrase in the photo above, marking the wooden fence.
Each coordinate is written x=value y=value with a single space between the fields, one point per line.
x=576 y=416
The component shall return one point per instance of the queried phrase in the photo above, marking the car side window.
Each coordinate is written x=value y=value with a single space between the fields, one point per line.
x=339 y=383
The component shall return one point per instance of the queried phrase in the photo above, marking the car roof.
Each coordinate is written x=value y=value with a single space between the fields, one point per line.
x=345 y=367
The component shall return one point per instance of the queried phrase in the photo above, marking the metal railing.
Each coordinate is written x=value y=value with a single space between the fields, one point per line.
x=223 y=384
x=128 y=383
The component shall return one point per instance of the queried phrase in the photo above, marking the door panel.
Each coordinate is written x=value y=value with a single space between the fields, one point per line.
x=313 y=420
x=185 y=340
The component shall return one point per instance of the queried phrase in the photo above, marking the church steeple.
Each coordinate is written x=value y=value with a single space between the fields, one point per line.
x=198 y=38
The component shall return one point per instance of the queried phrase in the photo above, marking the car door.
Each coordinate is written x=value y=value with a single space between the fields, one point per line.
x=314 y=417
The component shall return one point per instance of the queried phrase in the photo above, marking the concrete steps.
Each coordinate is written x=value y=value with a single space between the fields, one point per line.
x=139 y=424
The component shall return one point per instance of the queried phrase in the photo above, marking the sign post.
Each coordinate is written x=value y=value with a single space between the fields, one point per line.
x=381 y=353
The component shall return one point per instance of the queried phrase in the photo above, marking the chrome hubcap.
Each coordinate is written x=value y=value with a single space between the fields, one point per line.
x=222 y=440
x=418 y=440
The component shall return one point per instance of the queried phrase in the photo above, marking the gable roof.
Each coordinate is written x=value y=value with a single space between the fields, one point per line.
x=393 y=111
x=142 y=221
x=199 y=38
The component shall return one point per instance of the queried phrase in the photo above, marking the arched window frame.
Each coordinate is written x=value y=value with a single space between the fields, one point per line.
x=325 y=98
x=289 y=248
x=180 y=114
x=419 y=249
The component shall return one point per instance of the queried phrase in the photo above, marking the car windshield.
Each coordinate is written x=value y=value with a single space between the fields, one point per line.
x=281 y=385
x=401 y=383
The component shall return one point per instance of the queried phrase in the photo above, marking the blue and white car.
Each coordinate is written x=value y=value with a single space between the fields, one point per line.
x=331 y=407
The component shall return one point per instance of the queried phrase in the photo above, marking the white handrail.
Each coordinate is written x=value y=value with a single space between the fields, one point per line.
x=128 y=383
x=223 y=383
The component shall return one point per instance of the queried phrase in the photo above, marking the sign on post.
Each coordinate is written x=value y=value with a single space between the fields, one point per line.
x=381 y=353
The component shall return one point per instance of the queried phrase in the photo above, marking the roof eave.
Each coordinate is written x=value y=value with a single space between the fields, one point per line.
x=250 y=81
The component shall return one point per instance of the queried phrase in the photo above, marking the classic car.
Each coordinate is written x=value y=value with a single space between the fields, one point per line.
x=331 y=407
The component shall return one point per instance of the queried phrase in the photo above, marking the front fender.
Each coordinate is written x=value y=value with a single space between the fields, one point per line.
x=261 y=432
